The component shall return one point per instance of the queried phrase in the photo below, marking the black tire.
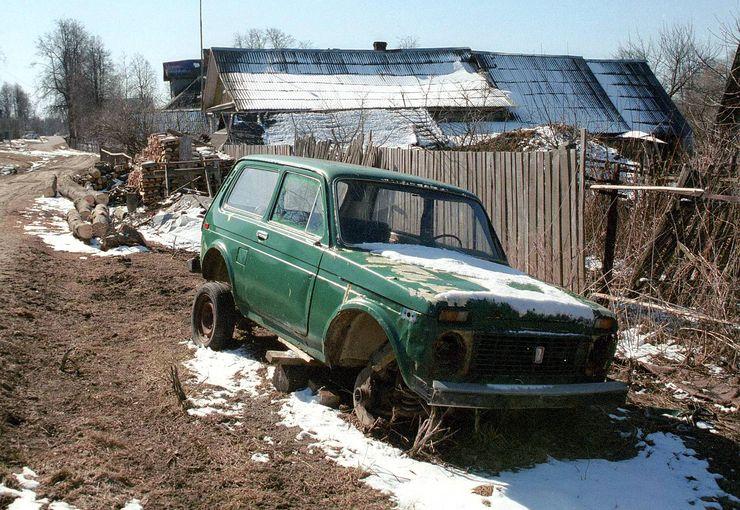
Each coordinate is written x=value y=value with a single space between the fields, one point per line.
x=213 y=316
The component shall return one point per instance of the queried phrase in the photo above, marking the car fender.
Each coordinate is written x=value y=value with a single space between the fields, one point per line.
x=221 y=248
x=383 y=317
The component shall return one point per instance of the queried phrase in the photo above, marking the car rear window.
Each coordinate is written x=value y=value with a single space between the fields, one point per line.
x=253 y=191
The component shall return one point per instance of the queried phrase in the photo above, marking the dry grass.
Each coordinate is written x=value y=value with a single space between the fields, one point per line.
x=701 y=273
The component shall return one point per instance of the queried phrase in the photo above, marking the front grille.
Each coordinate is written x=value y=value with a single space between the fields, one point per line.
x=513 y=357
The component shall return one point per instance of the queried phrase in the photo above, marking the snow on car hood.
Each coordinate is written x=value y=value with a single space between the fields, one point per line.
x=499 y=283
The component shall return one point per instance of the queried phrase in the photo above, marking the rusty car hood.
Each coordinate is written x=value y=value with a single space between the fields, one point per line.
x=427 y=279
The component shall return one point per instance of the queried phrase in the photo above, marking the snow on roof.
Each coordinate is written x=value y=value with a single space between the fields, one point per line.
x=641 y=135
x=551 y=89
x=389 y=128
x=640 y=98
x=313 y=80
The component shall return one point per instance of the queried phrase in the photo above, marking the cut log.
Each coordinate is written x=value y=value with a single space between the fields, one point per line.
x=81 y=229
x=100 y=221
x=70 y=189
x=101 y=198
x=51 y=186
x=84 y=208
x=119 y=213
x=123 y=235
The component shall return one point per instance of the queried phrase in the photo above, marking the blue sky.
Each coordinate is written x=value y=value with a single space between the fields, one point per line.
x=168 y=29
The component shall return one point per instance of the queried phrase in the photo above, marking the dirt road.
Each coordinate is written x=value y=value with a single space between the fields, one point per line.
x=85 y=399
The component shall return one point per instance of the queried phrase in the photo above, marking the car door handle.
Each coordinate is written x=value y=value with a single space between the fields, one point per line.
x=262 y=235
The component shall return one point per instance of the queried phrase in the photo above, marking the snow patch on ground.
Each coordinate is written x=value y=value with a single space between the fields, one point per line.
x=633 y=344
x=228 y=373
x=664 y=474
x=48 y=221
x=261 y=457
x=133 y=504
x=503 y=284
x=26 y=498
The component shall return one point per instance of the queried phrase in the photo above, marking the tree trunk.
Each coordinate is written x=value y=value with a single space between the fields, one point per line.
x=70 y=189
x=81 y=229
x=84 y=208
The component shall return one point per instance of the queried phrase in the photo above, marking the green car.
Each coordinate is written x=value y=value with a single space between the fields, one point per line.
x=400 y=280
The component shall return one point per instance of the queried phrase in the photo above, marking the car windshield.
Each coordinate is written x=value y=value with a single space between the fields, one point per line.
x=373 y=212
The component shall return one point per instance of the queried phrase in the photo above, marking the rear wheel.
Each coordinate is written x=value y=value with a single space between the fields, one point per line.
x=213 y=316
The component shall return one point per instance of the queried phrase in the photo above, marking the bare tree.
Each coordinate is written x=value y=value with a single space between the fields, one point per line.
x=254 y=38
x=676 y=56
x=64 y=51
x=408 y=42
x=262 y=38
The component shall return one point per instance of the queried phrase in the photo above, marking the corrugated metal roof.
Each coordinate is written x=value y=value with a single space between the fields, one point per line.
x=551 y=89
x=315 y=80
x=388 y=128
x=185 y=121
x=639 y=97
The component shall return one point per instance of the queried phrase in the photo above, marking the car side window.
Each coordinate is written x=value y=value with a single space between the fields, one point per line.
x=253 y=191
x=299 y=205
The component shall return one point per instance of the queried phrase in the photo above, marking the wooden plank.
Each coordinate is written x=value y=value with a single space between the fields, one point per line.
x=566 y=256
x=692 y=192
x=532 y=214
x=288 y=357
x=540 y=208
x=548 y=192
x=557 y=262
x=302 y=355
x=510 y=211
x=521 y=211
x=575 y=255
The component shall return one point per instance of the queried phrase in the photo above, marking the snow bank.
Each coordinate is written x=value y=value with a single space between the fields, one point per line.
x=503 y=284
x=48 y=222
x=178 y=225
x=178 y=230
x=664 y=474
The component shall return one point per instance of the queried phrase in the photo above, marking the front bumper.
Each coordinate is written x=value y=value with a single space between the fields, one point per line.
x=526 y=396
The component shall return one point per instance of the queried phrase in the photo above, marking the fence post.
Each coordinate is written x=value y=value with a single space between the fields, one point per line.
x=610 y=241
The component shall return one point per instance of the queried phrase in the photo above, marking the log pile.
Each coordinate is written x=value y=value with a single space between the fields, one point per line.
x=171 y=160
x=90 y=218
x=106 y=177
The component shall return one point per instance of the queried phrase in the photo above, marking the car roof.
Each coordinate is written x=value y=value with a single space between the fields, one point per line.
x=336 y=169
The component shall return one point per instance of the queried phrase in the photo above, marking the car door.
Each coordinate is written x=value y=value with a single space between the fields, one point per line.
x=291 y=245
x=242 y=214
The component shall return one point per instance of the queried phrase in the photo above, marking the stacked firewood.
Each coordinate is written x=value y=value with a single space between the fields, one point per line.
x=182 y=159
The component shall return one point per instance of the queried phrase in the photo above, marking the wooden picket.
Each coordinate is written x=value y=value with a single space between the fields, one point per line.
x=532 y=198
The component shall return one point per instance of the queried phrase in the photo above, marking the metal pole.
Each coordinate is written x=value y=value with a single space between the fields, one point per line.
x=200 y=15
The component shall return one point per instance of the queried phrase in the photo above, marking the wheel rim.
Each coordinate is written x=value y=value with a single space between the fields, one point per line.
x=205 y=318
x=363 y=398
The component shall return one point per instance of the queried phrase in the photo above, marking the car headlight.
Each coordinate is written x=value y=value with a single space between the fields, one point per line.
x=450 y=355
x=605 y=324
x=452 y=315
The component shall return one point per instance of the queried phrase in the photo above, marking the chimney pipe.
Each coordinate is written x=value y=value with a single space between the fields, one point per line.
x=380 y=45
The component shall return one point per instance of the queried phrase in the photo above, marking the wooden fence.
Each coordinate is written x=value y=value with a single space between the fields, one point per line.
x=534 y=199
